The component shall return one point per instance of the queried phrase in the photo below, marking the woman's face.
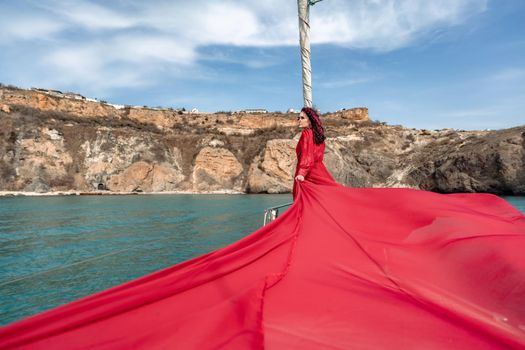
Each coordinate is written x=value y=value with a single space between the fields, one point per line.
x=303 y=120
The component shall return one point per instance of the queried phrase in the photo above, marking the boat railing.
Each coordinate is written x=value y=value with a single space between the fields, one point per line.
x=272 y=213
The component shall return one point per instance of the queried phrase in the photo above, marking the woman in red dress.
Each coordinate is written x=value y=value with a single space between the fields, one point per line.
x=310 y=151
x=342 y=268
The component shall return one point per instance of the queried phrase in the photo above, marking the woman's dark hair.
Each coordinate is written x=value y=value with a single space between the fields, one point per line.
x=317 y=127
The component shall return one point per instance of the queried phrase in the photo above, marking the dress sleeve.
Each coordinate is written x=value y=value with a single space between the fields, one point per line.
x=306 y=159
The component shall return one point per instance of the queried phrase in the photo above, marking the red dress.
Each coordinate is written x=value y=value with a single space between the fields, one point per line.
x=310 y=161
x=342 y=268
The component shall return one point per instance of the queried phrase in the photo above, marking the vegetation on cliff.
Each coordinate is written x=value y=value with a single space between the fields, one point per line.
x=49 y=144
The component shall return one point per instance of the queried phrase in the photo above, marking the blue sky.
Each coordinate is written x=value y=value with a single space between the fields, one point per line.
x=423 y=64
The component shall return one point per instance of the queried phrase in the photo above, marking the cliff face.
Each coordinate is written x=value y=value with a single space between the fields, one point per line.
x=56 y=144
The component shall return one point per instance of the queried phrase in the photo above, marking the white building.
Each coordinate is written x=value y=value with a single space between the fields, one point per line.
x=56 y=93
x=74 y=96
x=255 y=110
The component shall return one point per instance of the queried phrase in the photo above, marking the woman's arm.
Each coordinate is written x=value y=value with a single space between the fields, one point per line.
x=306 y=159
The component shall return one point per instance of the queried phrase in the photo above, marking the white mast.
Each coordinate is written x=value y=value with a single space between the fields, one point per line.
x=304 y=37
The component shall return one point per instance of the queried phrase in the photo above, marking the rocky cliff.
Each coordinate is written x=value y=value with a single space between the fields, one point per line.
x=49 y=143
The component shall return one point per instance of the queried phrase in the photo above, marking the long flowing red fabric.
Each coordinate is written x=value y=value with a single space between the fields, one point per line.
x=342 y=268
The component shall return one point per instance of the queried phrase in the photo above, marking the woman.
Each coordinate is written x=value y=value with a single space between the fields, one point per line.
x=342 y=268
x=310 y=151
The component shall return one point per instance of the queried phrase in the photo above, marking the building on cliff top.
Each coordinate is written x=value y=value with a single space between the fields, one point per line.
x=254 y=110
x=56 y=93
x=74 y=96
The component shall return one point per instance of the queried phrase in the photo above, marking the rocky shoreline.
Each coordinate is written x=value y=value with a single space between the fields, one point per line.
x=49 y=144
x=106 y=193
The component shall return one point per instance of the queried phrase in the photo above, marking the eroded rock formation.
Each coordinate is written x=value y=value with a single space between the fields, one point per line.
x=55 y=144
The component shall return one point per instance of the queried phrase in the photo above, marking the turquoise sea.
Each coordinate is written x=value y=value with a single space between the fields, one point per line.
x=57 y=249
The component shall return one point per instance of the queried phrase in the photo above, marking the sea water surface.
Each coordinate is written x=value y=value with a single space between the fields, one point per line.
x=57 y=249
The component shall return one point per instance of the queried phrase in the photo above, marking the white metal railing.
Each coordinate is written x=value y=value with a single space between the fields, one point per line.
x=272 y=213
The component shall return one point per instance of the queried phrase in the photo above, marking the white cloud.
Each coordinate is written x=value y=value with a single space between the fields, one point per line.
x=149 y=48
x=88 y=15
x=123 y=42
x=258 y=59
x=387 y=24
x=508 y=75
x=28 y=28
x=377 y=24
x=84 y=66
x=122 y=61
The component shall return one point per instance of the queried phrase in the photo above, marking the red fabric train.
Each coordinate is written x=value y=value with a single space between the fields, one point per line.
x=342 y=268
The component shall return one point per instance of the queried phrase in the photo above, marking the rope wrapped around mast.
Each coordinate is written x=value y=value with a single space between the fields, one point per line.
x=304 y=37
